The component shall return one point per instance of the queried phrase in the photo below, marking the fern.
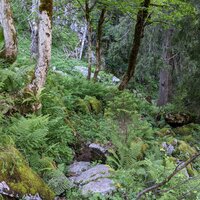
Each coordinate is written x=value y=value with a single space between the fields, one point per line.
x=29 y=133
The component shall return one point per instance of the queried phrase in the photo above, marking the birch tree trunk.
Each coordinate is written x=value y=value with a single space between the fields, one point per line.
x=44 y=46
x=142 y=16
x=98 y=43
x=83 y=41
x=9 y=52
x=34 y=29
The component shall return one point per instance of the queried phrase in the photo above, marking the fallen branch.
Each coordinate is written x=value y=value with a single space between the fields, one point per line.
x=166 y=180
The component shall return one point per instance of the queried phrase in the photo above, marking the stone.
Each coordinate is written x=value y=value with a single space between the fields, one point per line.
x=77 y=168
x=94 y=180
x=99 y=171
x=32 y=197
x=177 y=119
x=103 y=186
x=98 y=146
x=187 y=129
x=93 y=152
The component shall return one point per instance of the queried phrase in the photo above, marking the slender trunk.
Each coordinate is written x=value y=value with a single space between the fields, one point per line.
x=98 y=43
x=89 y=30
x=83 y=42
x=34 y=29
x=9 y=52
x=138 y=35
x=44 y=46
x=165 y=86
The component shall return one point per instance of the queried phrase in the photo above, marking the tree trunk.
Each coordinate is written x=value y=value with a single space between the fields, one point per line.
x=98 y=43
x=83 y=42
x=9 y=52
x=165 y=86
x=89 y=30
x=44 y=46
x=34 y=29
x=142 y=16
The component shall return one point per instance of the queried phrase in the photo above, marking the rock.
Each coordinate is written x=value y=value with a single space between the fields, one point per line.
x=99 y=147
x=115 y=80
x=99 y=171
x=177 y=119
x=187 y=129
x=93 y=180
x=82 y=70
x=165 y=131
x=94 y=104
x=92 y=152
x=186 y=149
x=32 y=197
x=103 y=186
x=17 y=178
x=78 y=167
x=88 y=105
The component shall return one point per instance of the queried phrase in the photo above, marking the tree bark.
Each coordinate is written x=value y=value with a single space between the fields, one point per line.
x=44 y=46
x=83 y=42
x=9 y=52
x=98 y=43
x=142 y=16
x=89 y=30
x=165 y=85
x=34 y=29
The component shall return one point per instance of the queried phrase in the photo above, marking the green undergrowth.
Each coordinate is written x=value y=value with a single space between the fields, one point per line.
x=76 y=111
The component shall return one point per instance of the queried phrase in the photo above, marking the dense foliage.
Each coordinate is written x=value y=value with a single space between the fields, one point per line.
x=76 y=111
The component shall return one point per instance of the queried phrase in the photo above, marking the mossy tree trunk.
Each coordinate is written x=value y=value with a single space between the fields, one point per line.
x=9 y=52
x=142 y=16
x=98 y=43
x=44 y=46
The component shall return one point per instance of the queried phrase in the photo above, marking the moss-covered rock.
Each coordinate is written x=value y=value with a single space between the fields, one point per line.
x=82 y=106
x=88 y=105
x=177 y=119
x=94 y=104
x=164 y=132
x=185 y=149
x=187 y=129
x=19 y=176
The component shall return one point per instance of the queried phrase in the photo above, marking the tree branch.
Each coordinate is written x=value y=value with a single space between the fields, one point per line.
x=166 y=180
x=81 y=5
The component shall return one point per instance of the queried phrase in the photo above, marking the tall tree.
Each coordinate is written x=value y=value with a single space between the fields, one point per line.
x=87 y=7
x=9 y=52
x=142 y=16
x=44 y=46
x=165 y=86
x=98 y=42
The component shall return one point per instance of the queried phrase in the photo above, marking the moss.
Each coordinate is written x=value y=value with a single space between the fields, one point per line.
x=164 y=132
x=46 y=5
x=191 y=171
x=19 y=176
x=186 y=149
x=89 y=104
x=187 y=129
x=94 y=104
x=82 y=106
